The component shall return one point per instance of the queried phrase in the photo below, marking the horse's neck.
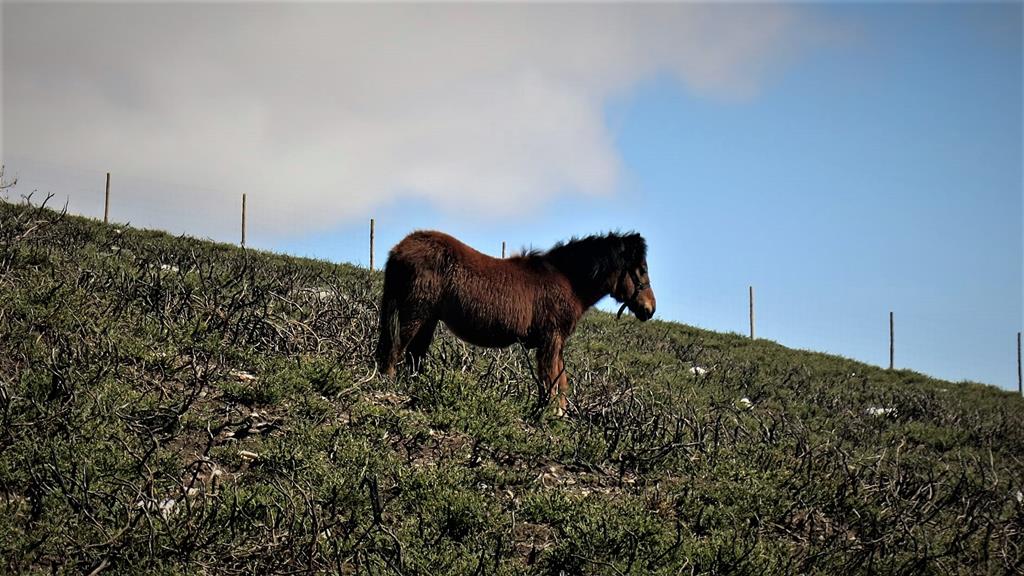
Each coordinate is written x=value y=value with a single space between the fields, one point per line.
x=589 y=293
x=596 y=298
x=587 y=290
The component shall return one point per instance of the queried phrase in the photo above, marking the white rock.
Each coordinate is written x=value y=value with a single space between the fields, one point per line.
x=319 y=293
x=698 y=371
x=165 y=507
x=744 y=402
x=242 y=375
x=879 y=411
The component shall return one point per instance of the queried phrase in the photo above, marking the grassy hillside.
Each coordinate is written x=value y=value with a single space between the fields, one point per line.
x=169 y=405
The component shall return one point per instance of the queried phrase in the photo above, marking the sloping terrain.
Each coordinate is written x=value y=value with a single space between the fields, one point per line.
x=169 y=405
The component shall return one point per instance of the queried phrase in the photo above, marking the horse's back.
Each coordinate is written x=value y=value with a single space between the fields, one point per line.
x=486 y=301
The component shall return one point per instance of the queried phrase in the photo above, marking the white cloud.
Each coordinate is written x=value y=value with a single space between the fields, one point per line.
x=323 y=111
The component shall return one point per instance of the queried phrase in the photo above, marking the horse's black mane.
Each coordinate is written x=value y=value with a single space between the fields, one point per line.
x=594 y=257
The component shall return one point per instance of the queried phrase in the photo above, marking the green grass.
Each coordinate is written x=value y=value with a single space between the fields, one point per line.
x=176 y=406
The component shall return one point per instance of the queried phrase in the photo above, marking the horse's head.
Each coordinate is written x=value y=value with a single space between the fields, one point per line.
x=633 y=286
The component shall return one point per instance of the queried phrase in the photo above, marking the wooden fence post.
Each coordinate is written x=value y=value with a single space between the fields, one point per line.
x=106 y=202
x=892 y=341
x=243 y=220
x=503 y=249
x=371 y=243
x=751 y=312
x=1020 y=377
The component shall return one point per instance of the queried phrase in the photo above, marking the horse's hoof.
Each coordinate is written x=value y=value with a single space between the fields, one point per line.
x=559 y=412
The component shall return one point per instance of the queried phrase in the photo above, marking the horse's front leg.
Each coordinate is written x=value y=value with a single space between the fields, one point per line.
x=563 y=384
x=551 y=377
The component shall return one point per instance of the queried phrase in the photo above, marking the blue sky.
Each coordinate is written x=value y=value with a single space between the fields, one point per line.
x=880 y=173
x=846 y=160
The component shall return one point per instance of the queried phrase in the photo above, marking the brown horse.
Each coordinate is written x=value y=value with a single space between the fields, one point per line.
x=535 y=299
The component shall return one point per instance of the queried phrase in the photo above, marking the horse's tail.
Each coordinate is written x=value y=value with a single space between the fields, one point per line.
x=389 y=325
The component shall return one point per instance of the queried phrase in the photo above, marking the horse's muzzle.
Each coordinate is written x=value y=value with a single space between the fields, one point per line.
x=641 y=312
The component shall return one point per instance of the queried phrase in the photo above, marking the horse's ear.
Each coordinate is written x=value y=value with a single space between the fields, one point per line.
x=634 y=248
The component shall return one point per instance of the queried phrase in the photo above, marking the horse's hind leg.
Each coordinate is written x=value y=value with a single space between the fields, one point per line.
x=415 y=333
x=420 y=344
x=389 y=349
